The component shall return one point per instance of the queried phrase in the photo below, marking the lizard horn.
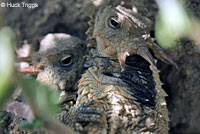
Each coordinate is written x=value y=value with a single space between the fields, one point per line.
x=161 y=54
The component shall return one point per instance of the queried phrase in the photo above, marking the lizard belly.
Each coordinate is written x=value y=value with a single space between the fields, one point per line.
x=123 y=115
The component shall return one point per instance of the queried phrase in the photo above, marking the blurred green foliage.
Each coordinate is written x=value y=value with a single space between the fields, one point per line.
x=173 y=22
x=35 y=124
x=43 y=101
x=41 y=98
x=7 y=41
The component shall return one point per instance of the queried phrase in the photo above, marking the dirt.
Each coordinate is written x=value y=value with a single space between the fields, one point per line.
x=71 y=16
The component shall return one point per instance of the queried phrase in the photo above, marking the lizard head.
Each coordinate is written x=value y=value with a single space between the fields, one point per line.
x=119 y=32
x=59 y=61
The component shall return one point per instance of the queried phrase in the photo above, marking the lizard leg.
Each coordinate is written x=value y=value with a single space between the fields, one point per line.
x=88 y=113
x=82 y=113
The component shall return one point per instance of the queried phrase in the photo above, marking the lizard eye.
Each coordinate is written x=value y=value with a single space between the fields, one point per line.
x=114 y=23
x=66 y=60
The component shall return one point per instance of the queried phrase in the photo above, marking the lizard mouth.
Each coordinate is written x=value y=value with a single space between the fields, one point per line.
x=141 y=51
x=33 y=70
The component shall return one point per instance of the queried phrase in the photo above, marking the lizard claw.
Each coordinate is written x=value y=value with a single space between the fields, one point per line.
x=86 y=112
x=82 y=113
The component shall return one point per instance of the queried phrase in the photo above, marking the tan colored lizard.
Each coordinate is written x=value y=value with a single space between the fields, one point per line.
x=58 y=63
x=129 y=89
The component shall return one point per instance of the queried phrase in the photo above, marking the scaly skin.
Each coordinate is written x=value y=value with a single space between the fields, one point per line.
x=58 y=63
x=130 y=90
x=120 y=33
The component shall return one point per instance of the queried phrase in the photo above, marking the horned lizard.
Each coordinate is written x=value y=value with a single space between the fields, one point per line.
x=124 y=79
x=58 y=63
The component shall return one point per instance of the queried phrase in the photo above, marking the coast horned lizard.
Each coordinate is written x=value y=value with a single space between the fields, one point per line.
x=123 y=79
x=58 y=63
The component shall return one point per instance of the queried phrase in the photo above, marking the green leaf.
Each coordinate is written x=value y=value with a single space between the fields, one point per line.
x=172 y=23
x=41 y=98
x=35 y=124
x=7 y=40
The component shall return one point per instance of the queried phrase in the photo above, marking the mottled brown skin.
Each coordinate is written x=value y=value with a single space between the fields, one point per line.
x=58 y=63
x=119 y=33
